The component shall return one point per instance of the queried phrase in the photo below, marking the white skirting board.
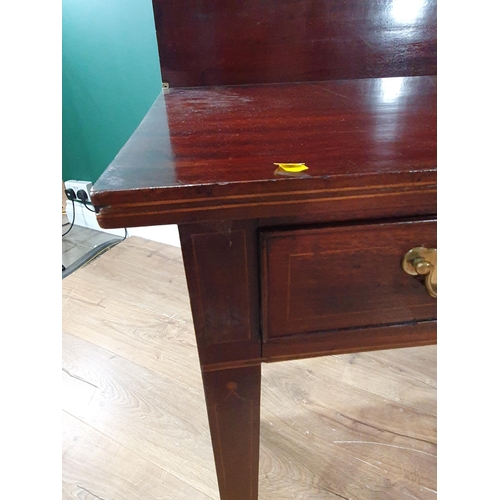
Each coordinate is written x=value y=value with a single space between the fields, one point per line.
x=163 y=234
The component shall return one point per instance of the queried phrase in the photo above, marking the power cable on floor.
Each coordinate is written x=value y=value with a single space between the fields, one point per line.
x=81 y=197
x=92 y=255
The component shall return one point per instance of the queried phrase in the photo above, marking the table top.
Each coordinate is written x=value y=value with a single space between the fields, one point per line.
x=208 y=153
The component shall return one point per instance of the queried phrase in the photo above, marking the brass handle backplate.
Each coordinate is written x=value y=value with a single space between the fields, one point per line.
x=423 y=261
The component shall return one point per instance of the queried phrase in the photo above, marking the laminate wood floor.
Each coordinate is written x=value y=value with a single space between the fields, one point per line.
x=359 y=426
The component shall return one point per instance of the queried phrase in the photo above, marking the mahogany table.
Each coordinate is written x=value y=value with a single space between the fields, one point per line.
x=288 y=265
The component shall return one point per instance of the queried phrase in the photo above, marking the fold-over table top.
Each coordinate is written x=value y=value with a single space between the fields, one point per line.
x=208 y=153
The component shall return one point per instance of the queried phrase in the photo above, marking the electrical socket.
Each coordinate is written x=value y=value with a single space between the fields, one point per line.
x=77 y=185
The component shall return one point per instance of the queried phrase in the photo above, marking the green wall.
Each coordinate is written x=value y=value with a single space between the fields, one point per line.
x=110 y=78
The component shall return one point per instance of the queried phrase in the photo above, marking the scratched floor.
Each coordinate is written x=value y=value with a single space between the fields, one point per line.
x=360 y=426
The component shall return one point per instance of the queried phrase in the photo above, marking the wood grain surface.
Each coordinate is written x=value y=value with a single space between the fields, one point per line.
x=221 y=266
x=233 y=406
x=356 y=426
x=343 y=276
x=212 y=42
x=209 y=153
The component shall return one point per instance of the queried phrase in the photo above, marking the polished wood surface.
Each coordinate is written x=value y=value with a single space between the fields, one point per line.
x=342 y=276
x=212 y=42
x=233 y=395
x=349 y=89
x=235 y=334
x=135 y=425
x=221 y=262
x=374 y=338
x=208 y=154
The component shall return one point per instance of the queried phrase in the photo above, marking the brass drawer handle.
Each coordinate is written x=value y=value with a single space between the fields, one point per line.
x=423 y=261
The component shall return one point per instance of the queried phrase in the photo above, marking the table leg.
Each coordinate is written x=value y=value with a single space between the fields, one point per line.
x=220 y=260
x=233 y=405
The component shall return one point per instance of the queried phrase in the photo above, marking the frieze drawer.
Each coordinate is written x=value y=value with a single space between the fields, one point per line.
x=346 y=276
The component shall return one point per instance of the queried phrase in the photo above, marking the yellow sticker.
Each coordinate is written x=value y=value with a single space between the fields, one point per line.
x=292 y=167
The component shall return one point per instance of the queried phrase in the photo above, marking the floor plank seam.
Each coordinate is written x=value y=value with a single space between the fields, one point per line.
x=134 y=452
x=120 y=356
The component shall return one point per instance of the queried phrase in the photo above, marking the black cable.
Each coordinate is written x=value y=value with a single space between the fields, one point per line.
x=90 y=256
x=81 y=197
x=85 y=205
x=73 y=221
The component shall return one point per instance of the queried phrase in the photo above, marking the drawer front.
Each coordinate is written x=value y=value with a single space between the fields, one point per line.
x=325 y=279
